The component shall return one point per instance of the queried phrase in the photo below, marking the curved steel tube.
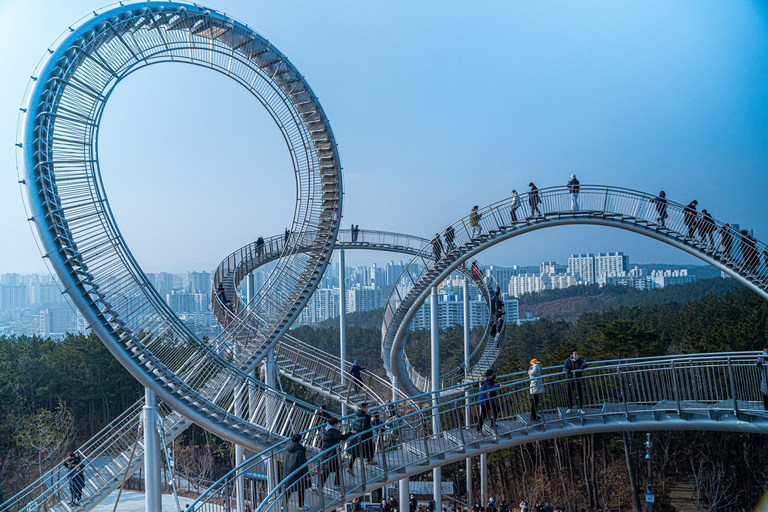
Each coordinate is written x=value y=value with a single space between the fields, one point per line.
x=600 y=205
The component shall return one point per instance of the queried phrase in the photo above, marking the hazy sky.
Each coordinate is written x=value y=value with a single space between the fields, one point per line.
x=436 y=106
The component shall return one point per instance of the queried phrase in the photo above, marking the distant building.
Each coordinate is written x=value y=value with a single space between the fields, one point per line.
x=363 y=298
x=526 y=283
x=583 y=266
x=187 y=302
x=13 y=296
x=552 y=267
x=450 y=312
x=54 y=322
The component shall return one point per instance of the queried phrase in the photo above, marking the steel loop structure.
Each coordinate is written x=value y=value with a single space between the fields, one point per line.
x=718 y=392
x=59 y=164
x=710 y=240
x=209 y=382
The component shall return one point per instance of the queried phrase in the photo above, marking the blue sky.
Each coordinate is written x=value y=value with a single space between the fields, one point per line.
x=436 y=106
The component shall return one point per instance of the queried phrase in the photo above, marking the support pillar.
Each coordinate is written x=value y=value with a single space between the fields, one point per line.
x=153 y=497
x=250 y=289
x=240 y=394
x=343 y=325
x=467 y=411
x=403 y=483
x=483 y=479
x=435 y=352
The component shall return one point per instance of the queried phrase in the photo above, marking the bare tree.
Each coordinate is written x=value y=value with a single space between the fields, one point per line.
x=45 y=436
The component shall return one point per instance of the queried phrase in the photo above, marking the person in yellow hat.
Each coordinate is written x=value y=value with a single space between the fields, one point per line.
x=537 y=387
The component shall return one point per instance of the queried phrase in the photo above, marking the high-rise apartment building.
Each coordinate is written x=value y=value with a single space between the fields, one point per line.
x=187 y=302
x=583 y=266
x=199 y=282
x=611 y=263
x=526 y=283
x=363 y=298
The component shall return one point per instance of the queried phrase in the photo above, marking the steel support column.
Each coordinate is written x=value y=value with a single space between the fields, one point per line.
x=343 y=325
x=483 y=479
x=240 y=394
x=153 y=497
x=467 y=416
x=435 y=352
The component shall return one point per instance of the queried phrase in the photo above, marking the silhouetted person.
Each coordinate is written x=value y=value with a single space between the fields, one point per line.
x=474 y=222
x=726 y=240
x=332 y=437
x=287 y=234
x=364 y=446
x=437 y=248
x=260 y=246
x=295 y=469
x=449 y=236
x=353 y=233
x=573 y=188
x=689 y=217
x=706 y=227
x=748 y=251
x=762 y=366
x=661 y=208
x=355 y=370
x=514 y=204
x=572 y=368
x=534 y=200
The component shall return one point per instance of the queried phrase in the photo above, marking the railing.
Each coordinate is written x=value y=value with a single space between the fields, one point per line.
x=482 y=353
x=699 y=389
x=105 y=459
x=711 y=239
x=58 y=129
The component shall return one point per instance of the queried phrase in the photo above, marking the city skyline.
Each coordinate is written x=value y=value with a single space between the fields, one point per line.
x=654 y=109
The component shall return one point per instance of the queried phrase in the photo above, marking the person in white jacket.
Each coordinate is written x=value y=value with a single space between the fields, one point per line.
x=537 y=387
x=514 y=205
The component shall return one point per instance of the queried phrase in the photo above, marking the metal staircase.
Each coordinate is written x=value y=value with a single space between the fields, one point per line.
x=725 y=248
x=696 y=392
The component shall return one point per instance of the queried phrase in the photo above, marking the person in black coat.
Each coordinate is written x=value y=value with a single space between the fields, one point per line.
x=690 y=218
x=75 y=490
x=661 y=207
x=295 y=469
x=364 y=446
x=332 y=438
x=573 y=367
x=357 y=379
x=534 y=200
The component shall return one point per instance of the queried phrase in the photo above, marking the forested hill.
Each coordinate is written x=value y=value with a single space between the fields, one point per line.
x=569 y=303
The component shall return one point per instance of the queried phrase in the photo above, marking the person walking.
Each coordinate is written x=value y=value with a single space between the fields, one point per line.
x=660 y=202
x=295 y=472
x=706 y=227
x=260 y=246
x=536 y=387
x=363 y=448
x=287 y=234
x=690 y=216
x=449 y=236
x=534 y=200
x=352 y=234
x=726 y=240
x=762 y=366
x=412 y=503
x=331 y=459
x=474 y=222
x=487 y=400
x=357 y=379
x=514 y=204
x=221 y=294
x=749 y=251
x=71 y=463
x=460 y=372
x=573 y=188
x=476 y=275
x=437 y=248
x=573 y=367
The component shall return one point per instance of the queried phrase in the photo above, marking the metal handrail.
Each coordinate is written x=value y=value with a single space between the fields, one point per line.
x=712 y=382
x=598 y=205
